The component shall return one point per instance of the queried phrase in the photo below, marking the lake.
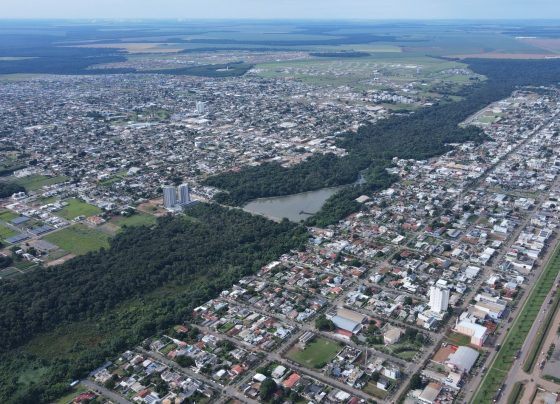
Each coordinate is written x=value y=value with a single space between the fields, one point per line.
x=295 y=207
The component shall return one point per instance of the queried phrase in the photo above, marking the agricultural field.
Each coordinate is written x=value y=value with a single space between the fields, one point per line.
x=35 y=182
x=78 y=239
x=522 y=324
x=77 y=208
x=317 y=354
x=368 y=73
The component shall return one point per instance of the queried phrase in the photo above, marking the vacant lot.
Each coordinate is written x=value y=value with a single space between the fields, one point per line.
x=79 y=239
x=6 y=215
x=5 y=232
x=34 y=182
x=77 y=208
x=317 y=353
x=139 y=219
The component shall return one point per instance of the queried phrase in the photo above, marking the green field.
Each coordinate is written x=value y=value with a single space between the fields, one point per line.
x=78 y=239
x=139 y=219
x=79 y=389
x=6 y=232
x=317 y=353
x=77 y=208
x=7 y=215
x=373 y=390
x=523 y=322
x=34 y=182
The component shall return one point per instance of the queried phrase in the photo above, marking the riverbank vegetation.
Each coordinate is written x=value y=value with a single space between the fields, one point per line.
x=66 y=320
x=425 y=133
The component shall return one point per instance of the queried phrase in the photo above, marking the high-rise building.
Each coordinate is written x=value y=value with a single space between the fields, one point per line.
x=184 y=194
x=169 y=197
x=439 y=298
x=200 y=107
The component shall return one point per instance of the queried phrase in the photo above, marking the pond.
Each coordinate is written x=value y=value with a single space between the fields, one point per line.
x=295 y=207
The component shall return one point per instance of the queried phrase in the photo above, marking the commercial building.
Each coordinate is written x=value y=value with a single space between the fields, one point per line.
x=439 y=298
x=463 y=359
x=184 y=194
x=169 y=197
x=478 y=333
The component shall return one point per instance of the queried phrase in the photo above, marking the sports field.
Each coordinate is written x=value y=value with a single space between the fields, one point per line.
x=77 y=208
x=317 y=353
x=78 y=239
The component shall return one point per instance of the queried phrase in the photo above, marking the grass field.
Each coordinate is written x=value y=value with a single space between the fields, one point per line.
x=6 y=232
x=317 y=353
x=497 y=373
x=516 y=393
x=78 y=239
x=34 y=182
x=139 y=219
x=7 y=215
x=373 y=390
x=459 y=339
x=541 y=335
x=77 y=208
x=79 y=389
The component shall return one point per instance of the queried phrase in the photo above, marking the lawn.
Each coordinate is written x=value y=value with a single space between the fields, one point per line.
x=138 y=219
x=317 y=353
x=78 y=239
x=518 y=332
x=77 y=208
x=79 y=389
x=7 y=215
x=373 y=390
x=34 y=182
x=459 y=339
x=6 y=232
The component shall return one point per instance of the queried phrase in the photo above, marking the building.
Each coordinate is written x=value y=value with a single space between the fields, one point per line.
x=200 y=107
x=478 y=333
x=439 y=299
x=184 y=194
x=430 y=393
x=392 y=335
x=169 y=197
x=463 y=359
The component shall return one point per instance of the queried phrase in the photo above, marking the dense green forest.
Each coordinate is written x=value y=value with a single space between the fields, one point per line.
x=7 y=189
x=197 y=256
x=426 y=133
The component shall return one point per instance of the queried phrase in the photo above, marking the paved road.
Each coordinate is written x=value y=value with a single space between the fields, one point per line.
x=105 y=392
x=226 y=390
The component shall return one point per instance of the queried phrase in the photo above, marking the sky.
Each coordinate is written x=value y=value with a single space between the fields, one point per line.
x=283 y=9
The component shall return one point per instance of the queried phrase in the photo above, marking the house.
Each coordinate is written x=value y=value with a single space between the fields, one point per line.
x=291 y=380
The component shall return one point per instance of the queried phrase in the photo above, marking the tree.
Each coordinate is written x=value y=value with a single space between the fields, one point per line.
x=184 y=361
x=268 y=388
x=323 y=324
x=416 y=382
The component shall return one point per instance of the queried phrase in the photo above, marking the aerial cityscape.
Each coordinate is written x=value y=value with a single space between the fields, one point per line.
x=244 y=202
